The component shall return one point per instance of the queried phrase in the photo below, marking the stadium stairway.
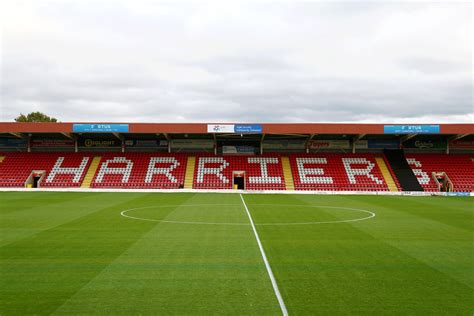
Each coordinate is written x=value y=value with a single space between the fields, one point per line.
x=91 y=172
x=407 y=179
x=189 y=176
x=287 y=173
x=386 y=174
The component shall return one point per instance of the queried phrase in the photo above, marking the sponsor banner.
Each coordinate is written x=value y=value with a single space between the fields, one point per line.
x=146 y=143
x=234 y=128
x=192 y=143
x=384 y=144
x=238 y=149
x=362 y=144
x=411 y=129
x=329 y=144
x=425 y=144
x=458 y=194
x=221 y=128
x=102 y=128
x=284 y=144
x=461 y=144
x=87 y=142
x=248 y=128
x=52 y=143
x=12 y=142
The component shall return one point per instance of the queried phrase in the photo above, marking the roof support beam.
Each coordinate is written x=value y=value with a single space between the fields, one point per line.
x=310 y=137
x=458 y=136
x=68 y=135
x=407 y=137
x=359 y=137
x=117 y=135
x=166 y=136
x=18 y=135
x=215 y=143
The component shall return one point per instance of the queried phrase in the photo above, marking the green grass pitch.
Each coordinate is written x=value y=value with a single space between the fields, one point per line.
x=74 y=253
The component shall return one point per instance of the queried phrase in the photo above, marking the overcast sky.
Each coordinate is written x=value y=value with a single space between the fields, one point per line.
x=149 y=61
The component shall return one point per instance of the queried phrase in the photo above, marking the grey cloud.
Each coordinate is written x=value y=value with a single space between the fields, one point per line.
x=171 y=63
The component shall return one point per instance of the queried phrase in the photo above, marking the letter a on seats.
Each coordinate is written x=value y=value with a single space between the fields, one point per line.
x=125 y=171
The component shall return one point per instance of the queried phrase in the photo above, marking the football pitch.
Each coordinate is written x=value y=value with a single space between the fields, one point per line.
x=199 y=253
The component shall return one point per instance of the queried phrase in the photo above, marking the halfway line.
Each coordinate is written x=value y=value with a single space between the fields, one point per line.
x=267 y=265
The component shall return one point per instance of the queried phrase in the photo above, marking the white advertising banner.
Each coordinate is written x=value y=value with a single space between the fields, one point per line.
x=220 y=128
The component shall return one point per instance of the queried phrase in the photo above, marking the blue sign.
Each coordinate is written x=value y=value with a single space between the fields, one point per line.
x=384 y=144
x=411 y=129
x=248 y=128
x=459 y=194
x=12 y=142
x=100 y=128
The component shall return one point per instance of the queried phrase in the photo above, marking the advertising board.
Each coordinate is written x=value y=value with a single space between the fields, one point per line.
x=87 y=142
x=425 y=144
x=146 y=143
x=234 y=128
x=411 y=129
x=284 y=144
x=192 y=143
x=12 y=142
x=100 y=128
x=462 y=144
x=329 y=144
x=47 y=143
x=238 y=149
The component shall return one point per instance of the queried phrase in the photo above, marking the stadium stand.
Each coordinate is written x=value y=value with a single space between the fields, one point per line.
x=336 y=170
x=333 y=171
x=458 y=167
x=140 y=170
x=261 y=173
x=60 y=169
x=401 y=169
x=325 y=171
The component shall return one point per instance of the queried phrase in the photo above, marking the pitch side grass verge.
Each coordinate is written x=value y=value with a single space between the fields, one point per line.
x=73 y=253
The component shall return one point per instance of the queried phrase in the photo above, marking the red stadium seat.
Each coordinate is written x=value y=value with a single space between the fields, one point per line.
x=339 y=172
x=458 y=167
x=62 y=169
x=261 y=172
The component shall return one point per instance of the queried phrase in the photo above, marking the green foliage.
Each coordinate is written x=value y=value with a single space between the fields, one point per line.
x=73 y=253
x=35 y=117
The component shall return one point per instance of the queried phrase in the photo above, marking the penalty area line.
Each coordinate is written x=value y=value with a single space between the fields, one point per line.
x=265 y=260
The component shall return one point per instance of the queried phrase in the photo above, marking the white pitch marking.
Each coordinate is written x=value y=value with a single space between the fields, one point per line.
x=123 y=213
x=267 y=264
x=372 y=214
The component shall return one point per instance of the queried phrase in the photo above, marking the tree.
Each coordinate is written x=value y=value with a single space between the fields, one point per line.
x=35 y=117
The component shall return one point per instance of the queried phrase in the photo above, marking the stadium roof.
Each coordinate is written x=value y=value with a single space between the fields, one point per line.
x=202 y=128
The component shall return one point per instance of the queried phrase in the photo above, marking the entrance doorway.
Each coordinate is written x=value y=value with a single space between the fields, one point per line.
x=34 y=180
x=239 y=180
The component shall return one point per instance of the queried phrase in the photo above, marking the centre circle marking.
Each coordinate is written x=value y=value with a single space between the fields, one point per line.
x=369 y=216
